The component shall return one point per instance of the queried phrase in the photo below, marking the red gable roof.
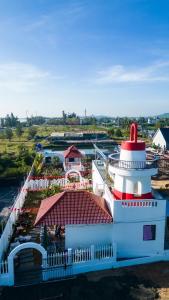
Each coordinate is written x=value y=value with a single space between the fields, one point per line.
x=72 y=152
x=73 y=207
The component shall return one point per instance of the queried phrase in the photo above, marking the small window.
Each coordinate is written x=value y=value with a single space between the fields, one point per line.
x=71 y=159
x=149 y=232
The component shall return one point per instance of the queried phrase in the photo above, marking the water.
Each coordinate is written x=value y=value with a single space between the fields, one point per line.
x=87 y=151
x=7 y=197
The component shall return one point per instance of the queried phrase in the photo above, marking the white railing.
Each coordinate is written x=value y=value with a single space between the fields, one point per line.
x=77 y=261
x=74 y=256
x=41 y=184
x=3 y=267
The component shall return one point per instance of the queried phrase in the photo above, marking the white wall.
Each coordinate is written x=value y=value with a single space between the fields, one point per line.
x=132 y=155
x=127 y=229
x=159 y=140
x=126 y=184
x=86 y=235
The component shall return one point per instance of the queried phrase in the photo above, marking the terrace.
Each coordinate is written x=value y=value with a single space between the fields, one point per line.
x=114 y=160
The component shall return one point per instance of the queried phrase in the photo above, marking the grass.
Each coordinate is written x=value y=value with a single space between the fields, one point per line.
x=45 y=130
x=42 y=131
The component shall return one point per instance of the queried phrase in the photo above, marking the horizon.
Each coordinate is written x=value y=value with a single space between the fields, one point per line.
x=109 y=58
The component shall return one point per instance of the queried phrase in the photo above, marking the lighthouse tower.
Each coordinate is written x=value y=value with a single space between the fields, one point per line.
x=132 y=170
x=138 y=227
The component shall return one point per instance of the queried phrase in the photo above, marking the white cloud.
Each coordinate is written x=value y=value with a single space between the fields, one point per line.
x=120 y=74
x=20 y=77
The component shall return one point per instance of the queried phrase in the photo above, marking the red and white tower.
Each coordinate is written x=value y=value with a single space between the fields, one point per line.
x=132 y=170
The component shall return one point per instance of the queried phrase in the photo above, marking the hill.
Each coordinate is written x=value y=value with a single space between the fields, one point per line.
x=163 y=116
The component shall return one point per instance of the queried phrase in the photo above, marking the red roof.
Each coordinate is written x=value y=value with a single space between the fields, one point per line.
x=73 y=207
x=72 y=152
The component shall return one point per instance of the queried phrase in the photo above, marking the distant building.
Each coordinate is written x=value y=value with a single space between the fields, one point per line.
x=81 y=135
x=161 y=138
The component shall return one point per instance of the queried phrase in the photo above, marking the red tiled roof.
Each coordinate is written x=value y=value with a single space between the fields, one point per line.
x=72 y=152
x=73 y=207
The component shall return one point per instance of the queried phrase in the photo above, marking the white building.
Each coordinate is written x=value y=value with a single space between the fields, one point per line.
x=125 y=182
x=161 y=138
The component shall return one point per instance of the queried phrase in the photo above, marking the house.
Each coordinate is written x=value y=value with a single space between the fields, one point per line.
x=161 y=138
x=73 y=159
x=84 y=217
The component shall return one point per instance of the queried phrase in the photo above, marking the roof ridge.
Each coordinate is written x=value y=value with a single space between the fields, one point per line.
x=94 y=197
x=59 y=196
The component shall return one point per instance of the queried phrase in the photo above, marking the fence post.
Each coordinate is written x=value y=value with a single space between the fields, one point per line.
x=92 y=252
x=69 y=250
x=114 y=251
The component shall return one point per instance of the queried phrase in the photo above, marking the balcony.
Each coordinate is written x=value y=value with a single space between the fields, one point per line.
x=125 y=164
x=73 y=165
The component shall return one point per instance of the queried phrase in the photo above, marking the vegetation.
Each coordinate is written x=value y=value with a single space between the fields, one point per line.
x=8 y=133
x=16 y=165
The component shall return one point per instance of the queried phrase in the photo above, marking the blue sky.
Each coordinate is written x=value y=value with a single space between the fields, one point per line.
x=108 y=56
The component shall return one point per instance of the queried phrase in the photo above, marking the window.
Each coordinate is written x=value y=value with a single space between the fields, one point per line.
x=149 y=232
x=71 y=159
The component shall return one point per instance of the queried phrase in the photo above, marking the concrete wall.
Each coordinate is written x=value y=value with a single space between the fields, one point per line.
x=85 y=235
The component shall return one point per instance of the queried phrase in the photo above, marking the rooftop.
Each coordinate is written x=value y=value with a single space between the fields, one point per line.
x=73 y=207
x=72 y=152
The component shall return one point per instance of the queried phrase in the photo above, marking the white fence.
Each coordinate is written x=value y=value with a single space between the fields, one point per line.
x=69 y=262
x=73 y=256
x=3 y=267
x=76 y=261
x=40 y=184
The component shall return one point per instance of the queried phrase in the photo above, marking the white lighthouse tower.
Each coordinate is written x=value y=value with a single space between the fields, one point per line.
x=138 y=227
x=132 y=170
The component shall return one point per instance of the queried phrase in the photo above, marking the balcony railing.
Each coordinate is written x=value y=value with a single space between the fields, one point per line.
x=124 y=164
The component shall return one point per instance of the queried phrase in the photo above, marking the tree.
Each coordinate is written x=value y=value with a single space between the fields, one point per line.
x=10 y=120
x=111 y=131
x=118 y=133
x=19 y=130
x=8 y=133
x=31 y=132
x=158 y=124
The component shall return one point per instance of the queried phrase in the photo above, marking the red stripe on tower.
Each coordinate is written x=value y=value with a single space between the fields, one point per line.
x=126 y=196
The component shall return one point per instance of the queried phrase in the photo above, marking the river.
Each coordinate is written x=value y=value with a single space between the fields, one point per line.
x=7 y=197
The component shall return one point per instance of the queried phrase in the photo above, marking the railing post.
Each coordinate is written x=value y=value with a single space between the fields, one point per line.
x=69 y=250
x=114 y=251
x=92 y=252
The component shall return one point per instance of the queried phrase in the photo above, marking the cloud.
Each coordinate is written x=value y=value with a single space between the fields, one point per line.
x=57 y=17
x=157 y=72
x=41 y=22
x=20 y=77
